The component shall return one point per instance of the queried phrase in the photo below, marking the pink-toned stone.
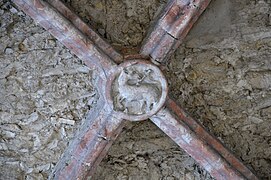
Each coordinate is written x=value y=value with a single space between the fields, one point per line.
x=103 y=123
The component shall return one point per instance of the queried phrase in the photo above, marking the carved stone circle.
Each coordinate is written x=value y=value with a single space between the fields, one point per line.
x=138 y=90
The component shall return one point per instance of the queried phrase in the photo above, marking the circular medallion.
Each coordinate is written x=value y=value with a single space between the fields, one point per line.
x=136 y=90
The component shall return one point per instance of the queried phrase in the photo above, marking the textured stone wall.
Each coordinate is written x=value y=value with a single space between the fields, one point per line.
x=220 y=74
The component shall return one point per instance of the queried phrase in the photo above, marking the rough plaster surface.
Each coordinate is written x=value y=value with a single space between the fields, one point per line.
x=221 y=75
x=45 y=92
x=223 y=78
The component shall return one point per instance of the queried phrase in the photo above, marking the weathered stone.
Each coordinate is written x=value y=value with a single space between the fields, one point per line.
x=243 y=19
x=137 y=89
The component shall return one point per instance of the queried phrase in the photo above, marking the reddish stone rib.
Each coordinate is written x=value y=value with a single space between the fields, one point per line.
x=171 y=28
x=89 y=146
x=99 y=130
x=102 y=127
x=66 y=33
x=87 y=30
x=194 y=146
x=213 y=142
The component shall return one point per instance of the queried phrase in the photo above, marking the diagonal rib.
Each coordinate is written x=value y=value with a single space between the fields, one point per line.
x=87 y=30
x=199 y=144
x=213 y=142
x=194 y=145
x=90 y=144
x=63 y=30
x=171 y=28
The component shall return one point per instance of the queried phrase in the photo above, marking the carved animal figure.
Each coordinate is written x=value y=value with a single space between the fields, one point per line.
x=133 y=88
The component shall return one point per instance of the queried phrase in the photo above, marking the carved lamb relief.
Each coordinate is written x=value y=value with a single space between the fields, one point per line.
x=136 y=90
